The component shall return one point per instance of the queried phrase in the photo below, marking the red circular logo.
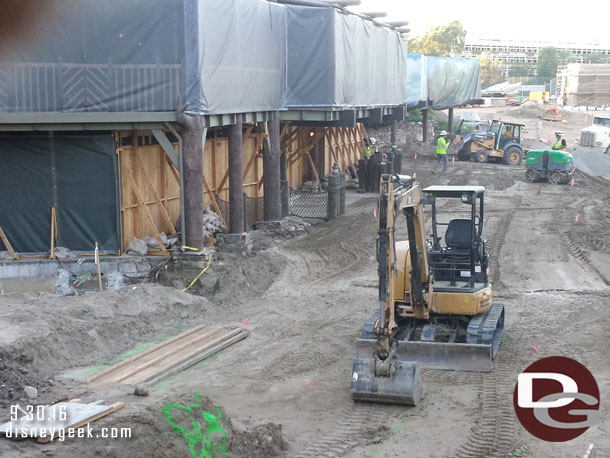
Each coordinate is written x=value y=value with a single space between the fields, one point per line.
x=556 y=399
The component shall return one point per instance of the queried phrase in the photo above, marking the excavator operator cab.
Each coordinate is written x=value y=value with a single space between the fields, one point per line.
x=456 y=248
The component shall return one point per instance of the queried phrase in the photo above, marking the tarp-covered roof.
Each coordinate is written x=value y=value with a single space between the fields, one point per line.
x=341 y=60
x=448 y=81
x=219 y=56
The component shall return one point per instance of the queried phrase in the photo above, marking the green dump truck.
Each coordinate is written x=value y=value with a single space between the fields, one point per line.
x=554 y=166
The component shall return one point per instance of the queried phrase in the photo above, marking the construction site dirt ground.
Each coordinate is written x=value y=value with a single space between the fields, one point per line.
x=284 y=390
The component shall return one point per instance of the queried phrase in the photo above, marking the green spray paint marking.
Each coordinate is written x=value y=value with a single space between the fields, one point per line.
x=209 y=359
x=198 y=435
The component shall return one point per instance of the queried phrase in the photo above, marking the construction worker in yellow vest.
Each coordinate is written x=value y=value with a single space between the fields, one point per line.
x=560 y=143
x=441 y=151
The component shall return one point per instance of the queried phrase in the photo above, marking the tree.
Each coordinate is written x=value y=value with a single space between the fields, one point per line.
x=518 y=70
x=491 y=72
x=547 y=62
x=441 y=41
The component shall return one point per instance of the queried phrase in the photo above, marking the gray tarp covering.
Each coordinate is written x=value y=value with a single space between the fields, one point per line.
x=90 y=55
x=117 y=55
x=76 y=174
x=450 y=81
x=242 y=57
x=340 y=60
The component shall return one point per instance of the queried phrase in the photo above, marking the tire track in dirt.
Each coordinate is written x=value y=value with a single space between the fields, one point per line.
x=494 y=245
x=352 y=424
x=495 y=430
x=579 y=253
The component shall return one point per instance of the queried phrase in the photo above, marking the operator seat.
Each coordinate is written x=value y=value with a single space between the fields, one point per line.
x=458 y=236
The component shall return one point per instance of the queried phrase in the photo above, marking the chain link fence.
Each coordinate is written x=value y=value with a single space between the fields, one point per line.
x=254 y=210
x=306 y=204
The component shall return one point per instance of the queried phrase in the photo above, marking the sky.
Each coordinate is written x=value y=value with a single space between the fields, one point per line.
x=554 y=21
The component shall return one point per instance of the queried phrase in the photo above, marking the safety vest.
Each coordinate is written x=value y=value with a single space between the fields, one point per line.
x=559 y=144
x=441 y=146
x=368 y=153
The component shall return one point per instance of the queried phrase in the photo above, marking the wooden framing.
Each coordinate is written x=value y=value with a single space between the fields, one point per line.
x=344 y=146
x=149 y=189
x=8 y=245
x=150 y=184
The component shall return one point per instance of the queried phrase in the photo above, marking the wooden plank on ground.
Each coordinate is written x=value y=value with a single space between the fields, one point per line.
x=171 y=356
x=8 y=245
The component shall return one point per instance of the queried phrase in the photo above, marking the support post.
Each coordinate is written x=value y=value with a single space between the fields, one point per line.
x=271 y=172
x=394 y=133
x=450 y=121
x=284 y=188
x=424 y=113
x=192 y=131
x=236 y=197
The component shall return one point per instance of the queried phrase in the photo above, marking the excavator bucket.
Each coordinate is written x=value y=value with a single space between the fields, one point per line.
x=401 y=383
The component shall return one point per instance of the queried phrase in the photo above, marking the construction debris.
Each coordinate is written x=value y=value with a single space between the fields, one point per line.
x=63 y=253
x=212 y=223
x=172 y=355
x=137 y=247
x=288 y=227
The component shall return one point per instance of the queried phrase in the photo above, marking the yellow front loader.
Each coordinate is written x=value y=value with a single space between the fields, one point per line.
x=435 y=300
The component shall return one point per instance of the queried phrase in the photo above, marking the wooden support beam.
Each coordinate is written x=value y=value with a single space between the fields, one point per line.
x=259 y=142
x=157 y=198
x=136 y=191
x=8 y=245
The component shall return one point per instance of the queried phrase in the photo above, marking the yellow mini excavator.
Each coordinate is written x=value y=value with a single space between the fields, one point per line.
x=435 y=301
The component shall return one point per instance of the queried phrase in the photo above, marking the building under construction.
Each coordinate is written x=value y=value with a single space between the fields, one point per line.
x=584 y=85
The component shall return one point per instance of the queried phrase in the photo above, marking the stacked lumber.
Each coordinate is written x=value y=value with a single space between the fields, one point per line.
x=171 y=356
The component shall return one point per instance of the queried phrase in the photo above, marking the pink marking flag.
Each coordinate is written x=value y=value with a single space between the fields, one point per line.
x=245 y=321
x=453 y=159
x=415 y=156
x=576 y=219
x=572 y=183
x=375 y=213
x=537 y=348
x=308 y=383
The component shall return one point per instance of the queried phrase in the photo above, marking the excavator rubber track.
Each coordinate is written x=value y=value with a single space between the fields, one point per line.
x=403 y=385
x=487 y=328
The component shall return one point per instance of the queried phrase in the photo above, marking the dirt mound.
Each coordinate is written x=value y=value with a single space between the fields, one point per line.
x=84 y=330
x=14 y=376
x=181 y=426
x=231 y=277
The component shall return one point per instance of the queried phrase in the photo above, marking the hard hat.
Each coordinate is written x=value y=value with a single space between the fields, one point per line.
x=373 y=140
x=559 y=133
x=443 y=132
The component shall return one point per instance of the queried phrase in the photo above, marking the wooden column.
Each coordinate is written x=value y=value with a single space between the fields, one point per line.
x=271 y=172
x=284 y=187
x=450 y=121
x=191 y=130
x=394 y=134
x=236 y=197
x=424 y=113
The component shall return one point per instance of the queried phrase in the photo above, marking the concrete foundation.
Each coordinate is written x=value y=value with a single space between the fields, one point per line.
x=59 y=276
